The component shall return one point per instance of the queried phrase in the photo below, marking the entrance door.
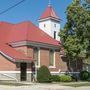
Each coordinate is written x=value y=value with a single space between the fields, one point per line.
x=23 y=71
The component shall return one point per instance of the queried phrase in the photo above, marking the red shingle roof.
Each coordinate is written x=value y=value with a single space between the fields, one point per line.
x=49 y=12
x=25 y=31
x=11 y=52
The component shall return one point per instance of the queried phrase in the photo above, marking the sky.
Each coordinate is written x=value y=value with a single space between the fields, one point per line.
x=31 y=10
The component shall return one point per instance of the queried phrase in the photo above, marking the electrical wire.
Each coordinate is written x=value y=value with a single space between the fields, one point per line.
x=12 y=7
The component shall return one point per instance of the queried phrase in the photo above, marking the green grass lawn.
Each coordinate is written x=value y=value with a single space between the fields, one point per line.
x=76 y=84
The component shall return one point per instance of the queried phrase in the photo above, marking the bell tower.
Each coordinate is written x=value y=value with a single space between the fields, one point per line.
x=49 y=22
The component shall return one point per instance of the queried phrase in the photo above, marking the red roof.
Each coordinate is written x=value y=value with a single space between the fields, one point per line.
x=5 y=29
x=11 y=52
x=25 y=31
x=49 y=12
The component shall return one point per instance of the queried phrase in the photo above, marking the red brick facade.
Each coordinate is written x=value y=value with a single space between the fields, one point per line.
x=6 y=65
x=44 y=58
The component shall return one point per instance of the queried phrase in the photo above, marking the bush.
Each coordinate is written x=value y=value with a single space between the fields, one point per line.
x=55 y=78
x=65 y=78
x=74 y=78
x=84 y=75
x=43 y=75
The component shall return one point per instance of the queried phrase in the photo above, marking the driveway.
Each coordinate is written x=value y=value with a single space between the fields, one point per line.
x=42 y=87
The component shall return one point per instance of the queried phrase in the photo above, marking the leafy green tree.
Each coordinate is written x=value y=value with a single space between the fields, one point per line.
x=76 y=32
x=86 y=5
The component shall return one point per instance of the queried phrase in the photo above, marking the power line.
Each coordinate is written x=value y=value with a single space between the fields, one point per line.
x=12 y=7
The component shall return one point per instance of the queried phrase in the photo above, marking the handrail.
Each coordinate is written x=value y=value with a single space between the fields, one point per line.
x=9 y=76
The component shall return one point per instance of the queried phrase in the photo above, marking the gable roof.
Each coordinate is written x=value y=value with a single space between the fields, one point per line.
x=13 y=54
x=25 y=31
x=49 y=12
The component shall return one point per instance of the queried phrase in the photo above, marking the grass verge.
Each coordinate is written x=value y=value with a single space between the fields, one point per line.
x=12 y=84
x=76 y=84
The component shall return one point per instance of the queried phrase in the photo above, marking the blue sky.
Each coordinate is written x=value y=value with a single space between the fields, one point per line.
x=31 y=10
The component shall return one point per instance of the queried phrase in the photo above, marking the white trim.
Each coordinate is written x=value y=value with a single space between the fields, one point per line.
x=54 y=59
x=29 y=72
x=9 y=76
x=52 y=67
x=58 y=72
x=36 y=44
x=56 y=19
x=3 y=72
x=6 y=56
x=38 y=57
x=9 y=71
x=54 y=72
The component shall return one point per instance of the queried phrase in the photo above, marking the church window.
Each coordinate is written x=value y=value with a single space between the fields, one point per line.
x=51 y=54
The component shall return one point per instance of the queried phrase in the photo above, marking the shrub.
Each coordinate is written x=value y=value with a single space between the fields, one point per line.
x=84 y=75
x=74 y=78
x=55 y=78
x=43 y=75
x=65 y=78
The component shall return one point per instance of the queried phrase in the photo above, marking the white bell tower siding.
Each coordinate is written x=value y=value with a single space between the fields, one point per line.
x=51 y=27
x=49 y=22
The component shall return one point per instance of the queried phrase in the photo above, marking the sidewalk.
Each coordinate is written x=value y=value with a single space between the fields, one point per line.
x=42 y=87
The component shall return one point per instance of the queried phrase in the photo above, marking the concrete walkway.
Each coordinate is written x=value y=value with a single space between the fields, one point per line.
x=42 y=87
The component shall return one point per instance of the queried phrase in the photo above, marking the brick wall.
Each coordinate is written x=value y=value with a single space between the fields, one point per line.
x=30 y=52
x=60 y=64
x=6 y=65
x=22 y=49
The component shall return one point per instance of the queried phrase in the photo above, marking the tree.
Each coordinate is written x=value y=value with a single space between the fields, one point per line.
x=75 y=34
x=86 y=5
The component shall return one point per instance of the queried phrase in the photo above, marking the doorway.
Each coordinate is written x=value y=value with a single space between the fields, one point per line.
x=23 y=67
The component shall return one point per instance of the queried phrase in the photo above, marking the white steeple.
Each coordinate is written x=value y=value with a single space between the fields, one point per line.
x=49 y=22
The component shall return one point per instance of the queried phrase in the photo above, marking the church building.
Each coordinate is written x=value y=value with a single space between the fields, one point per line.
x=24 y=46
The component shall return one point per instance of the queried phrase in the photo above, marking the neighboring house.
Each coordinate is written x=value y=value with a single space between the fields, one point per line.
x=24 y=46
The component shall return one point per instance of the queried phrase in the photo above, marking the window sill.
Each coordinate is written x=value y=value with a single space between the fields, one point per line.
x=37 y=66
x=52 y=67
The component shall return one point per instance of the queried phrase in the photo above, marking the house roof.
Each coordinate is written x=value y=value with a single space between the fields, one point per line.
x=25 y=31
x=49 y=12
x=12 y=53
